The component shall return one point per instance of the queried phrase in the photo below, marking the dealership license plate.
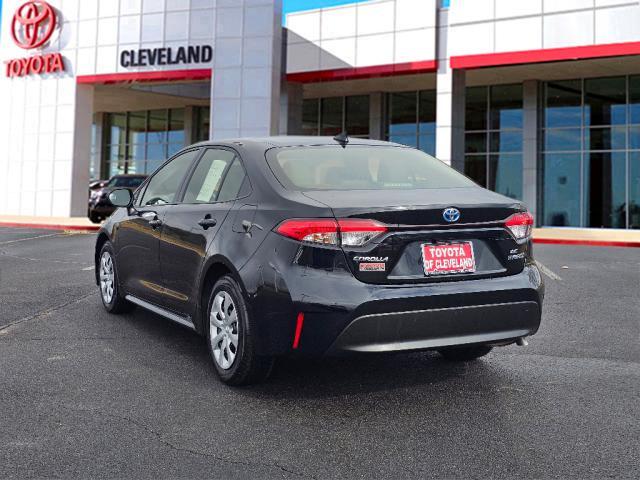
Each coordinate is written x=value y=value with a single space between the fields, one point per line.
x=446 y=259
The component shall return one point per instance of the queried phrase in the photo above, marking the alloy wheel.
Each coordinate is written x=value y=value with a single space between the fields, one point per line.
x=223 y=330
x=107 y=279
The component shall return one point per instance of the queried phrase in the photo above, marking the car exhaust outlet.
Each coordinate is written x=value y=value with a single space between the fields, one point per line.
x=522 y=342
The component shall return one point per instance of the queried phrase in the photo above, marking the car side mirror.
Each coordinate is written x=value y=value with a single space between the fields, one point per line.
x=121 y=198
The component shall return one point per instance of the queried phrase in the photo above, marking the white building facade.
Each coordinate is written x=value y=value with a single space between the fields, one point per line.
x=536 y=99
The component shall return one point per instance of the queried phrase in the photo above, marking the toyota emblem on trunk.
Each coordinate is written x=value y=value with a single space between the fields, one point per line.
x=451 y=215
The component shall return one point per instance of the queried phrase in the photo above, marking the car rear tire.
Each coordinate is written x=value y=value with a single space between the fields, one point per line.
x=465 y=353
x=231 y=338
x=110 y=293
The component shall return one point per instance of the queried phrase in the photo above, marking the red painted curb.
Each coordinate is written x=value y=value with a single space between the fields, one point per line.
x=589 y=243
x=39 y=226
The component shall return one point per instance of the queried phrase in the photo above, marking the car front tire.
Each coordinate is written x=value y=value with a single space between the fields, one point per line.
x=464 y=353
x=110 y=292
x=230 y=336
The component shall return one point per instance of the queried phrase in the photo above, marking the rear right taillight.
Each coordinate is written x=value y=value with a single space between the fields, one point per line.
x=351 y=232
x=520 y=225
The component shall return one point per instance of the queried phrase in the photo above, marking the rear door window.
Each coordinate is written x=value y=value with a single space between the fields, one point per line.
x=217 y=178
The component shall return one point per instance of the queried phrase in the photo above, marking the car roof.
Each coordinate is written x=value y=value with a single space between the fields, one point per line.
x=294 y=141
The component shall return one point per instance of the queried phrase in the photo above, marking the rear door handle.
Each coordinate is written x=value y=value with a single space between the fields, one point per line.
x=208 y=222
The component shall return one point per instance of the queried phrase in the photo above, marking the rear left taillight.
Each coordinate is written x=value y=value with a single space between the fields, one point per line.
x=346 y=232
x=520 y=225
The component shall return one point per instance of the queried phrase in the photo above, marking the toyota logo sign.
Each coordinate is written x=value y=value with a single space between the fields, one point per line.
x=33 y=24
x=451 y=215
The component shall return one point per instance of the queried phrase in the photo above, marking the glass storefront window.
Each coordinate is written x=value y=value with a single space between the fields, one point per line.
x=587 y=168
x=476 y=108
x=634 y=190
x=494 y=138
x=117 y=127
x=605 y=101
x=634 y=100
x=604 y=178
x=357 y=115
x=506 y=141
x=562 y=139
x=203 y=122
x=561 y=180
x=505 y=174
x=403 y=117
x=176 y=132
x=476 y=142
x=427 y=112
x=563 y=104
x=157 y=130
x=505 y=109
x=427 y=121
x=331 y=119
x=137 y=128
x=612 y=138
x=475 y=167
x=139 y=142
x=310 y=117
x=333 y=115
x=411 y=119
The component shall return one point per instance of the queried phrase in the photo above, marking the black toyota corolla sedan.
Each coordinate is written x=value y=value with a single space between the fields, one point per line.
x=316 y=246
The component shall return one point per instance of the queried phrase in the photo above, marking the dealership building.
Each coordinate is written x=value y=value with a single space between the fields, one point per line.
x=536 y=99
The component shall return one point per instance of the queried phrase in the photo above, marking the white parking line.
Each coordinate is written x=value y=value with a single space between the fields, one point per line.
x=29 y=238
x=548 y=272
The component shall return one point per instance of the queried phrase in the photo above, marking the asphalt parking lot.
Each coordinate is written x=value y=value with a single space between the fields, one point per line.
x=86 y=394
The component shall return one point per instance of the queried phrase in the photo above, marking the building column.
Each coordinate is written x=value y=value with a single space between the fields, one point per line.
x=245 y=97
x=81 y=150
x=530 y=91
x=450 y=102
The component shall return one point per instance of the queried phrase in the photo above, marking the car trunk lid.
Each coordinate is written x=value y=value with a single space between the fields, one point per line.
x=415 y=220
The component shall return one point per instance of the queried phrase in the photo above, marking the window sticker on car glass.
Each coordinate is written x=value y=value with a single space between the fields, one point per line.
x=210 y=184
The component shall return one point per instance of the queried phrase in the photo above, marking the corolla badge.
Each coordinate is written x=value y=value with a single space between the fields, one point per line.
x=451 y=215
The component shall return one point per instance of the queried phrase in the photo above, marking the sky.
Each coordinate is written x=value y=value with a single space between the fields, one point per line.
x=297 y=5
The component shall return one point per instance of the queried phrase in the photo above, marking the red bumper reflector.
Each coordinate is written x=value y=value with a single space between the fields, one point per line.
x=299 y=324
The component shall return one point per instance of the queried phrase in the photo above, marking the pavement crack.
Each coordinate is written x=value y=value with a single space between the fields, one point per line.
x=161 y=438
x=44 y=313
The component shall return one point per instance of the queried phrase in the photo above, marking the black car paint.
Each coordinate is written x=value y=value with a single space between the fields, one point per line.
x=173 y=264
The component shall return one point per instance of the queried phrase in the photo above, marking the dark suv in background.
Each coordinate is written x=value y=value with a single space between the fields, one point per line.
x=99 y=205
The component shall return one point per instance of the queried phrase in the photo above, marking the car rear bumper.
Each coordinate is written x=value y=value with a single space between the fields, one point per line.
x=439 y=327
x=343 y=314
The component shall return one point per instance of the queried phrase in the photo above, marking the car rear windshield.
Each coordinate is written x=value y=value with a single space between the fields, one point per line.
x=131 y=182
x=361 y=168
